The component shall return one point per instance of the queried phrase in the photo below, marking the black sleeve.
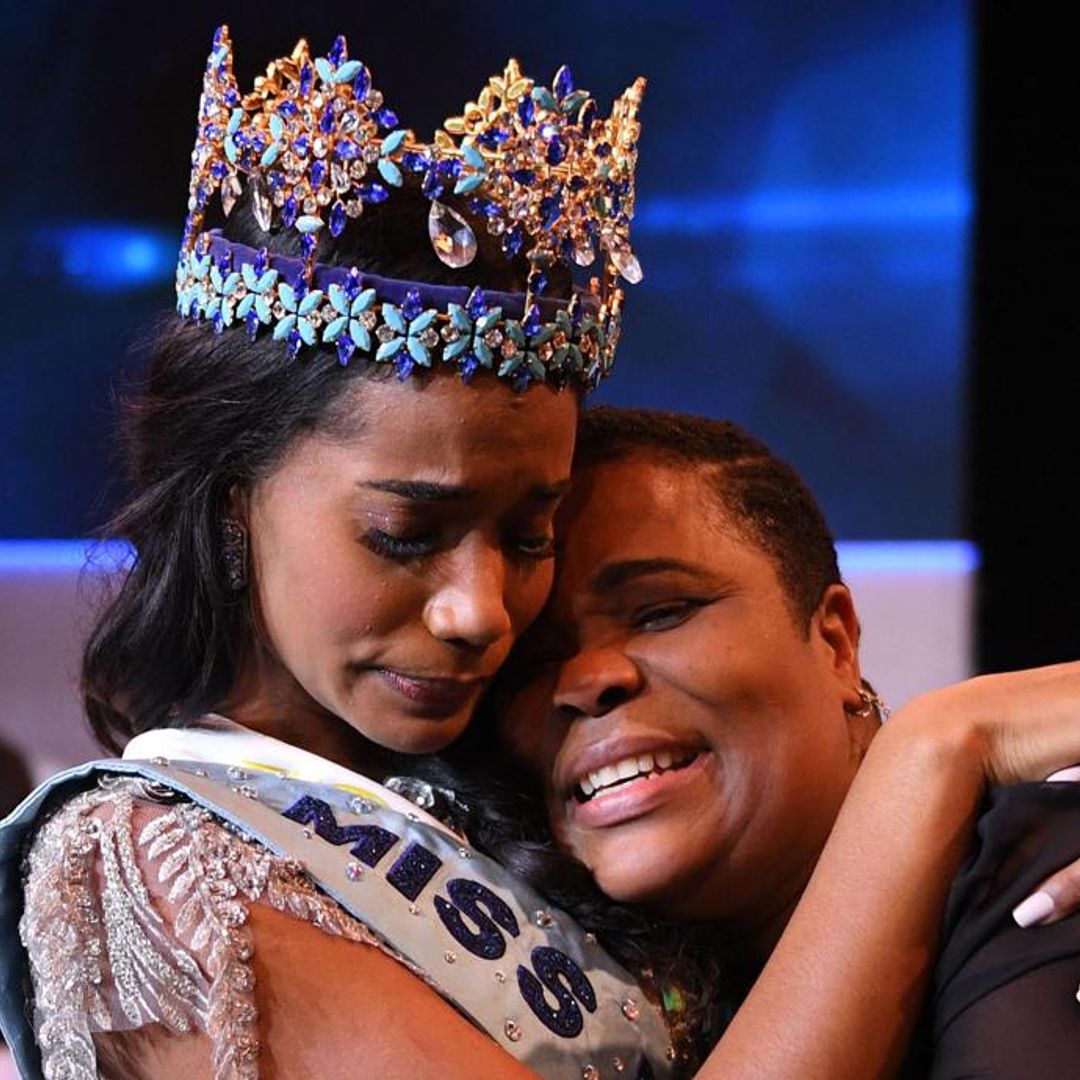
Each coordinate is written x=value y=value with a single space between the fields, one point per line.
x=1004 y=1002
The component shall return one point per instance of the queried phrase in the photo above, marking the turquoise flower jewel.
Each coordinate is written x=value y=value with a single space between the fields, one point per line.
x=295 y=326
x=221 y=297
x=255 y=307
x=192 y=277
x=354 y=320
x=407 y=335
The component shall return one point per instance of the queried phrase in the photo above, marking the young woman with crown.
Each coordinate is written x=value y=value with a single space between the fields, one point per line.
x=347 y=461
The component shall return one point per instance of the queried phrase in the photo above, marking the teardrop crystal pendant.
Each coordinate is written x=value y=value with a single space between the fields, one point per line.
x=261 y=203
x=625 y=260
x=451 y=236
x=230 y=192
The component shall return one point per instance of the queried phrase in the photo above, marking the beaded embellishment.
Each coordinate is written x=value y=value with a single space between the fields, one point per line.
x=104 y=960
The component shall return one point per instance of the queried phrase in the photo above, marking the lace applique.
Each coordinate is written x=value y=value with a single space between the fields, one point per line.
x=102 y=956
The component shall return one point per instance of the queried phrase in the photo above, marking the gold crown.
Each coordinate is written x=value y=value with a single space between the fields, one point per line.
x=317 y=143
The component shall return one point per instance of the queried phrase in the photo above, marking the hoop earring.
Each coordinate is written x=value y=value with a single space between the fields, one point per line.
x=871 y=703
x=234 y=553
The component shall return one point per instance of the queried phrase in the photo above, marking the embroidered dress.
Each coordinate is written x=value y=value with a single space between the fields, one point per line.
x=138 y=888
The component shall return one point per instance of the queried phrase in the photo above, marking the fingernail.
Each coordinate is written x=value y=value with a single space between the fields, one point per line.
x=1065 y=774
x=1037 y=907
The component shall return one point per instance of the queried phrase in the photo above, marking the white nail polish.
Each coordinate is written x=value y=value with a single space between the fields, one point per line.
x=1037 y=907
x=1064 y=775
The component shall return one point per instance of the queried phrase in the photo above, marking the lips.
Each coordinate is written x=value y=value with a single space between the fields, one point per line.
x=433 y=695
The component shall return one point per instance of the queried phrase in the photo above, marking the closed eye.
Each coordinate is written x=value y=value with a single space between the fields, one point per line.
x=666 y=616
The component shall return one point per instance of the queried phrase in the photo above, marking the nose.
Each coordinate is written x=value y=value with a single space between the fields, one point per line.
x=469 y=608
x=596 y=681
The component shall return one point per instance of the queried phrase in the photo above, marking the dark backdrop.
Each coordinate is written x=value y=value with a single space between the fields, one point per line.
x=803 y=218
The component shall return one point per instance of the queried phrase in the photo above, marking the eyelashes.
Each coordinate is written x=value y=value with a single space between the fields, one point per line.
x=407 y=548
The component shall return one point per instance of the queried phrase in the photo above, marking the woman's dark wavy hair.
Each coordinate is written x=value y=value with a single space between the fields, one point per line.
x=218 y=412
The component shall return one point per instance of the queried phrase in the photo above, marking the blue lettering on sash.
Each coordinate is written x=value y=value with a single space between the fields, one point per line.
x=484 y=909
x=369 y=842
x=566 y=981
x=416 y=867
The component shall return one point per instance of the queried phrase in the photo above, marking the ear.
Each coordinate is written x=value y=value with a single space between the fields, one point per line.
x=834 y=626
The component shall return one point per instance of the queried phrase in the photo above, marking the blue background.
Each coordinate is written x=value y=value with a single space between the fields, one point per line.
x=804 y=214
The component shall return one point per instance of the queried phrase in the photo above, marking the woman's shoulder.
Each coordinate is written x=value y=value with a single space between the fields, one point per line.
x=137 y=913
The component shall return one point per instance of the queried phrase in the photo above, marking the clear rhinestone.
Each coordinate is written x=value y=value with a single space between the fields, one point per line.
x=230 y=192
x=450 y=333
x=414 y=909
x=354 y=208
x=248 y=791
x=323 y=196
x=464 y=852
x=310 y=205
x=630 y=1009
x=618 y=1064
x=451 y=237
x=374 y=99
x=319 y=146
x=261 y=204
x=590 y=939
x=354 y=871
x=315 y=318
x=496 y=226
x=278 y=198
x=309 y=834
x=385 y=333
x=493 y=338
x=590 y=1072
x=234 y=772
x=513 y=1030
x=429 y=338
x=358 y=169
x=450 y=957
x=584 y=254
x=543 y=919
x=339 y=177
x=671 y=1054
x=360 y=805
x=625 y=260
x=159 y=760
x=500 y=976
x=371 y=153
x=350 y=123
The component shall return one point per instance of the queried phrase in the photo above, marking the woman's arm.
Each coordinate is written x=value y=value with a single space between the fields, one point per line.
x=843 y=988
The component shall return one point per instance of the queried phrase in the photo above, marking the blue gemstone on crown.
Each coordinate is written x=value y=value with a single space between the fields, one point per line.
x=386 y=118
x=493 y=138
x=290 y=210
x=525 y=177
x=414 y=162
x=301 y=145
x=318 y=174
x=431 y=187
x=526 y=110
x=307 y=78
x=513 y=240
x=308 y=244
x=339 y=51
x=362 y=83
x=550 y=210
x=373 y=192
x=346 y=150
x=476 y=305
x=338 y=219
x=531 y=323
x=563 y=84
x=345 y=348
x=413 y=305
x=556 y=151
x=326 y=121
x=404 y=364
x=287 y=108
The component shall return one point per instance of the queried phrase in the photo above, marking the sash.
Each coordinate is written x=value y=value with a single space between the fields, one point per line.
x=517 y=968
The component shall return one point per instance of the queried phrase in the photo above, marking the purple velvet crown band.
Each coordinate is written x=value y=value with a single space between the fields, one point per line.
x=390 y=290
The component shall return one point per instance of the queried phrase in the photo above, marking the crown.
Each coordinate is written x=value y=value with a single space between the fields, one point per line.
x=316 y=143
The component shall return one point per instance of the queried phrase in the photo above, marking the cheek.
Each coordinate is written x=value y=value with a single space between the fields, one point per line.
x=527 y=590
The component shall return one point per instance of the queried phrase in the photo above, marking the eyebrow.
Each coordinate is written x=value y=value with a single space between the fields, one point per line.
x=618 y=574
x=427 y=491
